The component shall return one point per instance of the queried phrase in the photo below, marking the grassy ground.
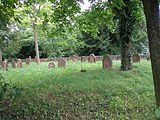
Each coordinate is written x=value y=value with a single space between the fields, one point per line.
x=68 y=94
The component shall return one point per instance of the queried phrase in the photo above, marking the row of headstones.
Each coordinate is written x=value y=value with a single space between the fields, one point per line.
x=106 y=61
x=15 y=64
x=62 y=62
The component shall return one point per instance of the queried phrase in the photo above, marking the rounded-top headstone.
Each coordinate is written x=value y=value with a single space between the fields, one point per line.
x=83 y=59
x=92 y=58
x=74 y=57
x=5 y=65
x=51 y=65
x=19 y=63
x=136 y=58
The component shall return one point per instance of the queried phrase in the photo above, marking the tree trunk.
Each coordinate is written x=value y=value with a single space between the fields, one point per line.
x=126 y=21
x=125 y=26
x=151 y=10
x=126 y=56
x=36 y=46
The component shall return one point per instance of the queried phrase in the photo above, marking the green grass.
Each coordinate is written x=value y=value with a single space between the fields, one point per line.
x=68 y=94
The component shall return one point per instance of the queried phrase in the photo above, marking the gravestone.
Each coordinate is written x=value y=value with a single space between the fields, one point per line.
x=19 y=63
x=106 y=62
x=30 y=58
x=27 y=61
x=5 y=65
x=13 y=64
x=61 y=62
x=74 y=57
x=136 y=58
x=92 y=58
x=51 y=65
x=83 y=59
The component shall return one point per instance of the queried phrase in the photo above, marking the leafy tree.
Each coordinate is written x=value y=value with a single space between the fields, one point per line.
x=105 y=42
x=7 y=12
x=127 y=13
x=33 y=16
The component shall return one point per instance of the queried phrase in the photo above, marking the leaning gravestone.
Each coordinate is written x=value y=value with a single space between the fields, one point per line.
x=61 y=62
x=19 y=63
x=92 y=58
x=27 y=61
x=13 y=64
x=51 y=65
x=5 y=65
x=83 y=59
x=106 y=62
x=136 y=58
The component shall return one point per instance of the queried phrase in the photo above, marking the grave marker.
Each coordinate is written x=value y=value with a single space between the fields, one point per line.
x=106 y=62
x=74 y=57
x=13 y=64
x=5 y=65
x=61 y=62
x=51 y=65
x=136 y=58
x=19 y=63
x=27 y=61
x=83 y=59
x=92 y=58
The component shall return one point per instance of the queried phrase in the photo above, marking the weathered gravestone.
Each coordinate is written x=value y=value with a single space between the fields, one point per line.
x=74 y=57
x=19 y=63
x=106 y=62
x=5 y=65
x=136 y=58
x=27 y=61
x=92 y=58
x=61 y=62
x=30 y=58
x=83 y=59
x=13 y=64
x=51 y=65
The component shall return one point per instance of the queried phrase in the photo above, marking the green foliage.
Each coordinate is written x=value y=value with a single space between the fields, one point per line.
x=7 y=90
x=105 y=42
x=157 y=112
x=7 y=11
x=100 y=26
x=10 y=41
x=127 y=16
x=66 y=93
